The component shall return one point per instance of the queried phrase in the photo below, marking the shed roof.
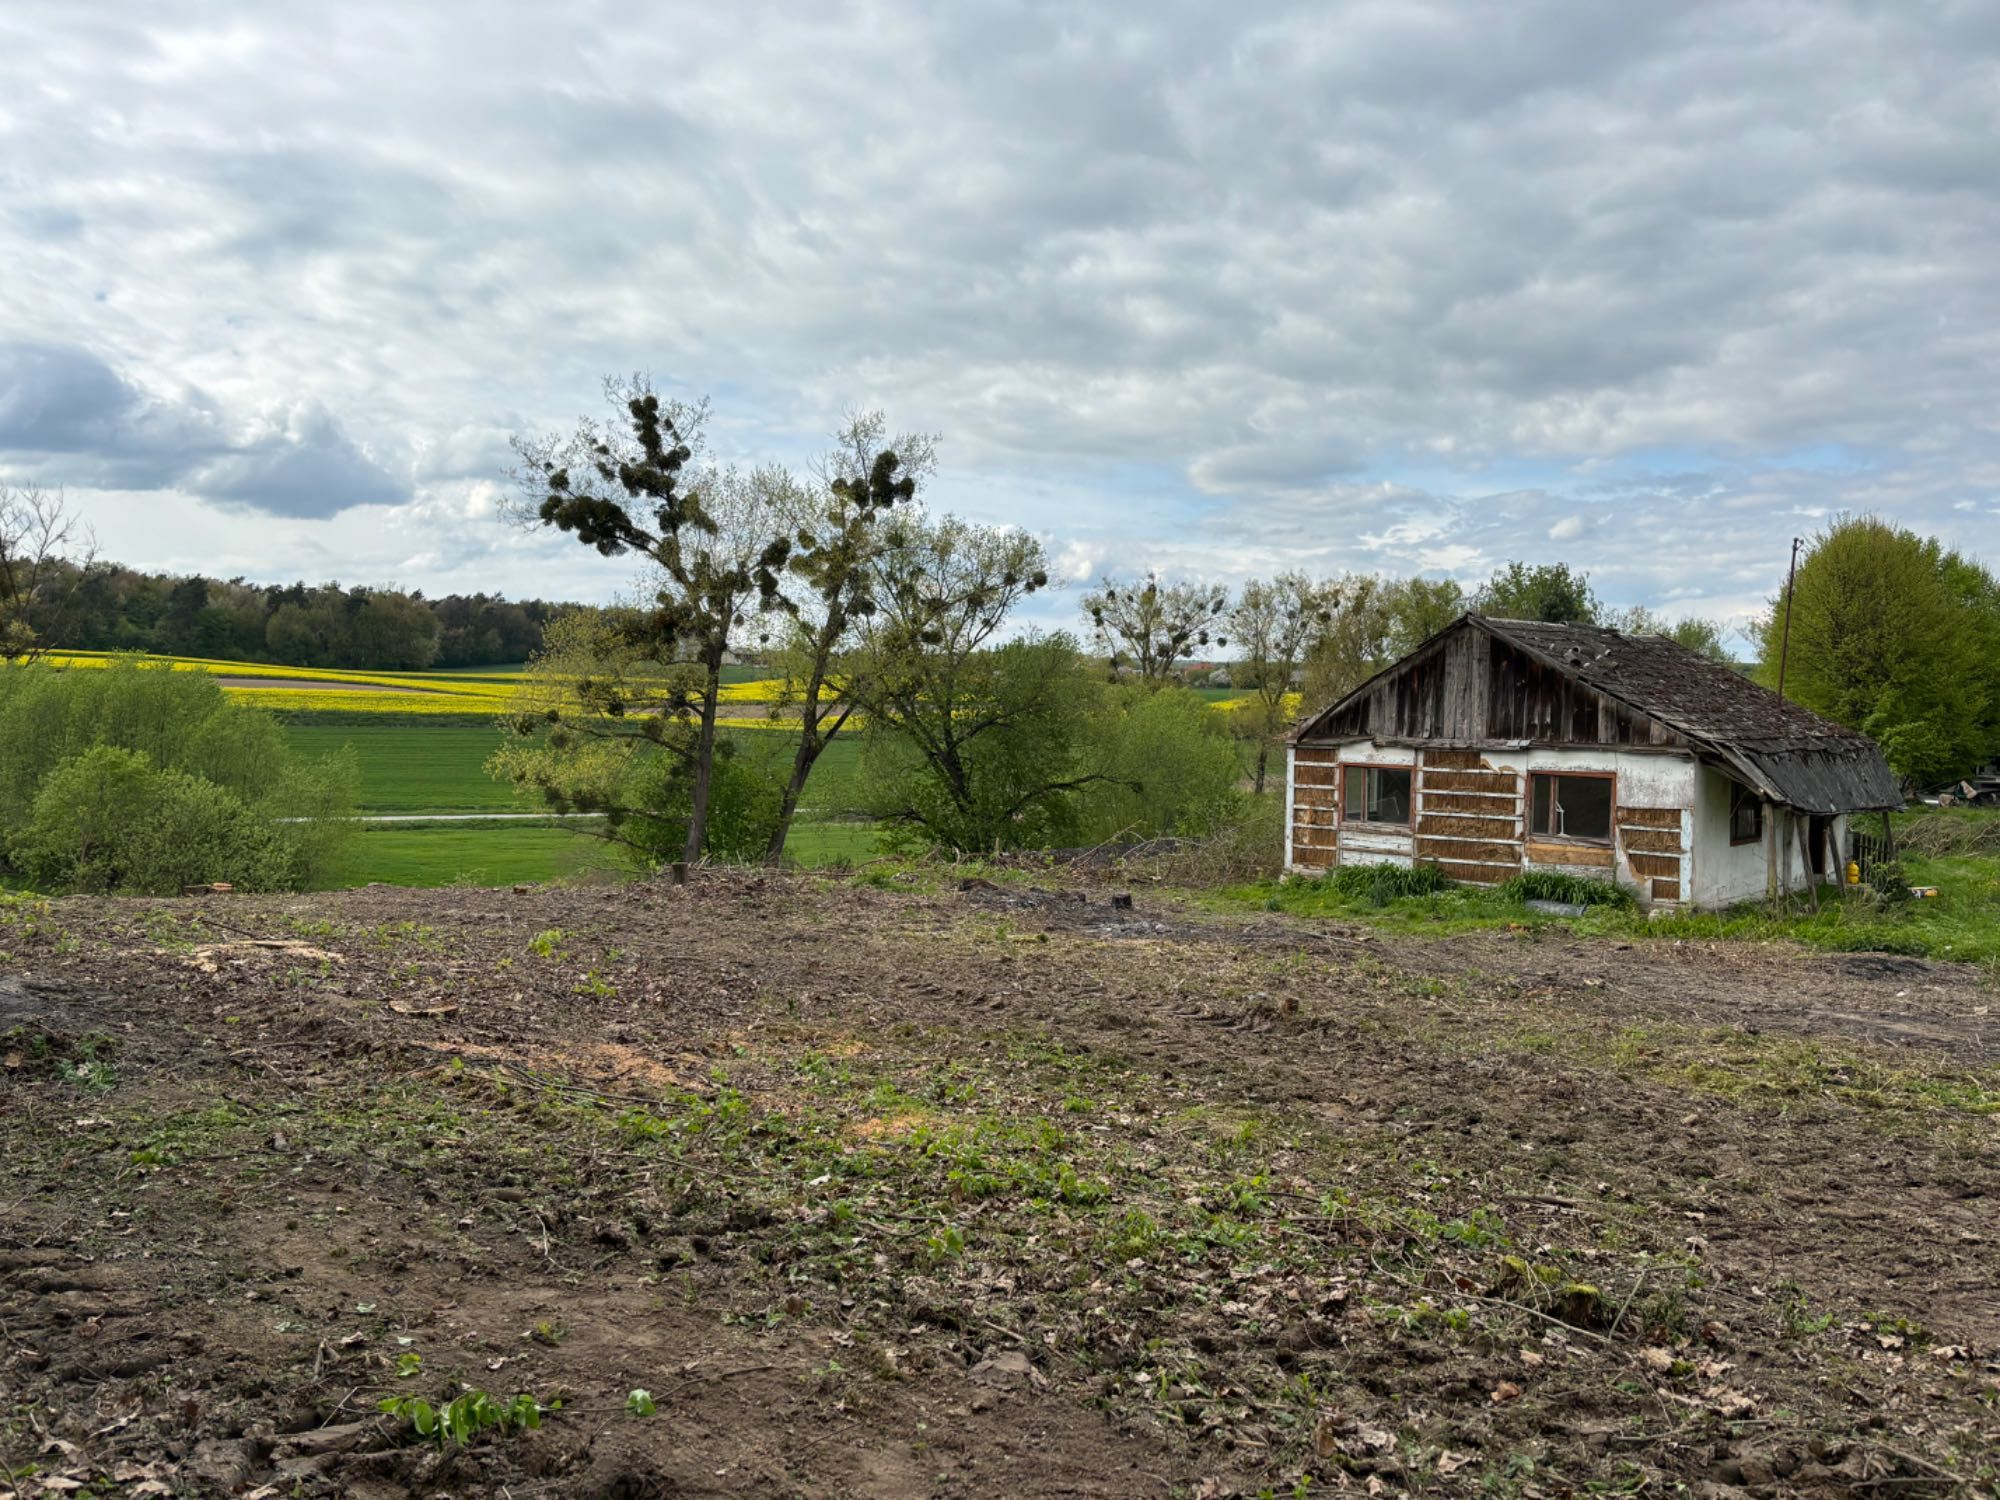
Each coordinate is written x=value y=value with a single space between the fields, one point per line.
x=1788 y=752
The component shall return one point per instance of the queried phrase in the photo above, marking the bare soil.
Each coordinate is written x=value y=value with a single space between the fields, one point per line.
x=985 y=1191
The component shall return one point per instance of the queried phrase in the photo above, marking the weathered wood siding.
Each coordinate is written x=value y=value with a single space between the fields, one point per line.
x=1315 y=798
x=1471 y=688
x=1467 y=814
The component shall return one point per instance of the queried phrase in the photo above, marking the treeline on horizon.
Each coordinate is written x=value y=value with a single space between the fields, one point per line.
x=110 y=607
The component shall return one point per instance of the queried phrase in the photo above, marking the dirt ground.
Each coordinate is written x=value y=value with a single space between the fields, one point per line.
x=995 y=1191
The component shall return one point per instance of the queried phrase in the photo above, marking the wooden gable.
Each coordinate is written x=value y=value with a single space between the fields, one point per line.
x=1467 y=687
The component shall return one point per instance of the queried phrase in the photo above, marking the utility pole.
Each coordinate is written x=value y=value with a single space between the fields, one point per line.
x=1791 y=581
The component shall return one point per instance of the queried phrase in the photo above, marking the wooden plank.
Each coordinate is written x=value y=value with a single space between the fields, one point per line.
x=1476 y=874
x=1364 y=838
x=1649 y=817
x=1478 y=851
x=1654 y=864
x=1490 y=804
x=1460 y=826
x=1666 y=890
x=1502 y=782
x=1305 y=757
x=1542 y=853
x=1455 y=760
x=1651 y=840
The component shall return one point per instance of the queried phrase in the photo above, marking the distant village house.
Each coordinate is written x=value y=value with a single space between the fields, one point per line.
x=1501 y=746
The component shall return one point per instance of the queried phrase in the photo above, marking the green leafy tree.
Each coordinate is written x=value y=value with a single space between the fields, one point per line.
x=1895 y=636
x=1276 y=625
x=1165 y=765
x=1150 y=626
x=970 y=744
x=1418 y=608
x=145 y=779
x=1551 y=592
x=1354 y=643
x=178 y=722
x=716 y=540
x=1692 y=631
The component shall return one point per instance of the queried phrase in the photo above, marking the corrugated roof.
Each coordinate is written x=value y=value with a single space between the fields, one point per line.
x=1791 y=753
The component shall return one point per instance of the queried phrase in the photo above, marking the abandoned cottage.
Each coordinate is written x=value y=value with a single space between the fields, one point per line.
x=1500 y=746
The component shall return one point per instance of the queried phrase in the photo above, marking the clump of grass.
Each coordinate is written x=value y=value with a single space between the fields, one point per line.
x=1554 y=885
x=1378 y=885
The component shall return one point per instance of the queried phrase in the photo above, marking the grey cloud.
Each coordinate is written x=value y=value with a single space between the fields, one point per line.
x=1264 y=249
x=79 y=421
x=306 y=467
x=60 y=400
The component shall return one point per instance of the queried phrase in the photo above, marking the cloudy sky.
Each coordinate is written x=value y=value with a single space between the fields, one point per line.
x=1390 y=286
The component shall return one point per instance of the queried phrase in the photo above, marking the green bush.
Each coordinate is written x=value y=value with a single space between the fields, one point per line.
x=1554 y=885
x=1169 y=765
x=1001 y=770
x=743 y=804
x=110 y=821
x=136 y=777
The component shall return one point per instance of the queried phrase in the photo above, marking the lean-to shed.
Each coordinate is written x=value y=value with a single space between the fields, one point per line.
x=1500 y=746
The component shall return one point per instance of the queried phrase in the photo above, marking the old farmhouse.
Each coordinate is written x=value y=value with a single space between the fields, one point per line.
x=1500 y=746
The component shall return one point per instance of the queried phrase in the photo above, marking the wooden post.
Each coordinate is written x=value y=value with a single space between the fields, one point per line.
x=1805 y=866
x=1785 y=647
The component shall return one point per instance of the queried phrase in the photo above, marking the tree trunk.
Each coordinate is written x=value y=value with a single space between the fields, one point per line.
x=1263 y=759
x=810 y=746
x=704 y=768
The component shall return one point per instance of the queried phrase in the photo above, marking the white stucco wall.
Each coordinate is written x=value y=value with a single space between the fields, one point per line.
x=1724 y=873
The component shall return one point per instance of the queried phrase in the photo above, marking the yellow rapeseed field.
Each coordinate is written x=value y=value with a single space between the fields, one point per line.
x=469 y=695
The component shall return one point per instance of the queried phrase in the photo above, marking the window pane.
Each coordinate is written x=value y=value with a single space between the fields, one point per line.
x=1544 y=800
x=1388 y=796
x=1583 y=806
x=1355 y=781
x=1746 y=814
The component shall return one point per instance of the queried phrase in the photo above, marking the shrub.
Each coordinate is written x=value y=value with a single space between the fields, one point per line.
x=743 y=803
x=196 y=784
x=109 y=820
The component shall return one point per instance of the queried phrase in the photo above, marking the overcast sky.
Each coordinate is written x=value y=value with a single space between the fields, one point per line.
x=1390 y=286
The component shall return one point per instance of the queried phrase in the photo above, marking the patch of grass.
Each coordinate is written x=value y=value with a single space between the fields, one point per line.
x=477 y=854
x=1961 y=924
x=1555 y=885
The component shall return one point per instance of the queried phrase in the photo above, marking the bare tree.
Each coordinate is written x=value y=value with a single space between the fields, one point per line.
x=831 y=581
x=1151 y=625
x=715 y=537
x=1276 y=624
x=45 y=553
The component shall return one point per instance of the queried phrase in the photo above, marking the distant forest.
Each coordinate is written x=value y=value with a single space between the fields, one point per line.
x=114 y=608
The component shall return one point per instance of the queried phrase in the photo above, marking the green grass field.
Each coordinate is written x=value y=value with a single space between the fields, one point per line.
x=420 y=767
x=412 y=767
x=476 y=854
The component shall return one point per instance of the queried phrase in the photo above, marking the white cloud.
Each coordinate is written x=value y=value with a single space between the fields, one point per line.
x=1568 y=529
